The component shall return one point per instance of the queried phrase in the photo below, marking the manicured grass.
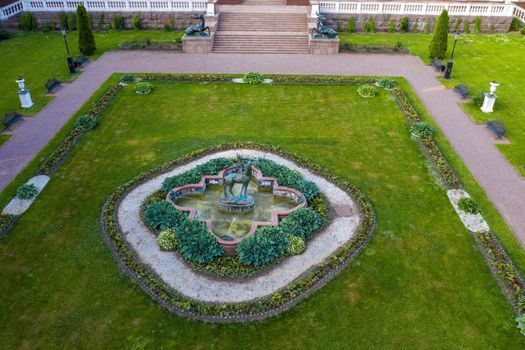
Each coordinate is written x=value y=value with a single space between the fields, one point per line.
x=420 y=283
x=41 y=56
x=478 y=60
x=4 y=138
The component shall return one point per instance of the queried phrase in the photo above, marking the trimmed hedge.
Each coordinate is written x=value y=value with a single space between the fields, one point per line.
x=265 y=246
x=163 y=215
x=196 y=243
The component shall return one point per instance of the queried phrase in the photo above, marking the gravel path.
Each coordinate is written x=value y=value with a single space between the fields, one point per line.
x=172 y=269
x=472 y=142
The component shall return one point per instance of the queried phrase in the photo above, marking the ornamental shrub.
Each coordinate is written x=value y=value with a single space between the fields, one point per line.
x=144 y=88
x=46 y=28
x=466 y=26
x=162 y=215
x=366 y=91
x=196 y=243
x=491 y=28
x=522 y=31
x=468 y=205
x=4 y=34
x=296 y=245
x=118 y=23
x=521 y=323
x=403 y=25
x=101 y=20
x=371 y=25
x=168 y=28
x=211 y=167
x=320 y=206
x=167 y=240
x=253 y=78
x=304 y=222
x=127 y=78
x=85 y=122
x=27 y=22
x=86 y=40
x=439 y=43
x=26 y=191
x=265 y=246
x=62 y=18
x=515 y=25
x=426 y=28
x=387 y=83
x=422 y=129
x=457 y=23
x=391 y=26
x=350 y=26
x=415 y=27
x=136 y=22
x=477 y=25
x=72 y=21
x=478 y=99
x=53 y=24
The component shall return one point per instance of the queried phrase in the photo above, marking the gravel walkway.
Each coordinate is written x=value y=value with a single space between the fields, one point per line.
x=172 y=269
x=472 y=142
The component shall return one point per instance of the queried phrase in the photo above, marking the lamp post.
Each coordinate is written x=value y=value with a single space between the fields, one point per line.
x=448 y=70
x=70 y=63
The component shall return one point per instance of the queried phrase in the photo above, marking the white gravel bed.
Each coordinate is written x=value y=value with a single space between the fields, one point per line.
x=172 y=269
x=17 y=206
x=241 y=81
x=473 y=222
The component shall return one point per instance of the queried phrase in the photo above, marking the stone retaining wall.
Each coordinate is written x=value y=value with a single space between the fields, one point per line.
x=149 y=20
x=339 y=21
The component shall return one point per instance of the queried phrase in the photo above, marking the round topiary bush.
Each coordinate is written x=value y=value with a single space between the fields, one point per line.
x=26 y=191
x=253 y=78
x=127 y=79
x=468 y=205
x=167 y=240
x=296 y=245
x=387 y=83
x=85 y=122
x=144 y=88
x=366 y=91
x=422 y=129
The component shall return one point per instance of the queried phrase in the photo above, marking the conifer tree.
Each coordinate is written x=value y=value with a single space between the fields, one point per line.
x=439 y=43
x=86 y=40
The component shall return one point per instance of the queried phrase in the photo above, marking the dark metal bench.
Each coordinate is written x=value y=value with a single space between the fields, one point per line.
x=80 y=61
x=52 y=84
x=9 y=119
x=438 y=65
x=497 y=127
x=462 y=90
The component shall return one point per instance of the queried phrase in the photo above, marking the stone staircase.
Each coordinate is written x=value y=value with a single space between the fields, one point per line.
x=262 y=29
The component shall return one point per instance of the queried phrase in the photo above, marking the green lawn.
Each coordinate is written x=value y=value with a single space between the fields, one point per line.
x=420 y=283
x=4 y=138
x=478 y=60
x=41 y=56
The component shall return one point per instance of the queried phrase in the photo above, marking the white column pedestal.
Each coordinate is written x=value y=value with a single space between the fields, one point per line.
x=488 y=103
x=25 y=98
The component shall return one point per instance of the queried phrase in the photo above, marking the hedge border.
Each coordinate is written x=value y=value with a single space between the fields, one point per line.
x=257 y=309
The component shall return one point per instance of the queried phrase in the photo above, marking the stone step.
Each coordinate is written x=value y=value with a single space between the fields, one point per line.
x=284 y=22
x=261 y=42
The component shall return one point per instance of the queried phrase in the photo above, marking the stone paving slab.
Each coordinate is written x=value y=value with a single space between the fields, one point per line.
x=495 y=174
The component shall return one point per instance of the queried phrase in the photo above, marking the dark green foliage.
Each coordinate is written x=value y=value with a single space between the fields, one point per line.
x=350 y=26
x=101 y=20
x=415 y=27
x=4 y=34
x=53 y=24
x=466 y=26
x=478 y=99
x=118 y=23
x=369 y=25
x=253 y=78
x=515 y=25
x=168 y=28
x=136 y=22
x=85 y=122
x=522 y=31
x=212 y=167
x=267 y=244
x=127 y=78
x=387 y=83
x=27 y=191
x=196 y=243
x=72 y=21
x=477 y=25
x=86 y=40
x=457 y=23
x=468 y=205
x=439 y=43
x=403 y=25
x=491 y=28
x=391 y=26
x=287 y=177
x=162 y=215
x=46 y=28
x=27 y=22
x=307 y=220
x=64 y=23
x=426 y=28
x=422 y=129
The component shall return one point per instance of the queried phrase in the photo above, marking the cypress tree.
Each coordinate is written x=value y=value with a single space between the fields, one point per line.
x=439 y=43
x=86 y=41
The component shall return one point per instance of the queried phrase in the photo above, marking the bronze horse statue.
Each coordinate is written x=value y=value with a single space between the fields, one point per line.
x=243 y=178
x=198 y=29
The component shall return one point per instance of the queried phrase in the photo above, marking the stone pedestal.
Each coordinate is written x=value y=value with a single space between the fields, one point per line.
x=24 y=94
x=488 y=103
x=322 y=46
x=197 y=44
